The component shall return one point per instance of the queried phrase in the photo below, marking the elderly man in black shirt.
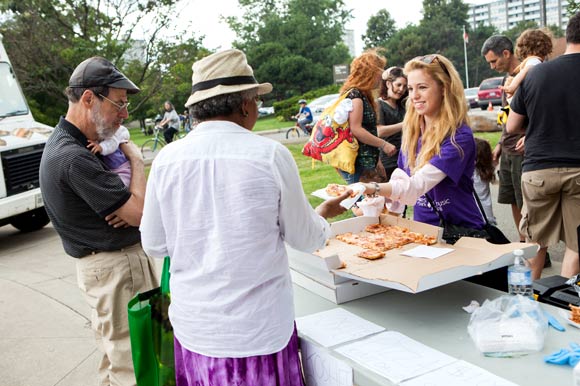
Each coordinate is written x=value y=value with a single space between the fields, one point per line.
x=94 y=213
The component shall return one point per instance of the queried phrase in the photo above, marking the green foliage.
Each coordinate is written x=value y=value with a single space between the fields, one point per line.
x=47 y=39
x=514 y=32
x=556 y=31
x=292 y=44
x=380 y=28
x=478 y=68
x=573 y=7
x=286 y=108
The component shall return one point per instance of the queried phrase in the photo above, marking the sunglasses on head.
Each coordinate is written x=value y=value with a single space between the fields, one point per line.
x=428 y=59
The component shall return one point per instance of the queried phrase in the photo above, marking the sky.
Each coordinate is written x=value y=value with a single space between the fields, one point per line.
x=204 y=15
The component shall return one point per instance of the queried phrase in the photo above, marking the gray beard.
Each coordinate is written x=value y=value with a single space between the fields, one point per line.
x=103 y=132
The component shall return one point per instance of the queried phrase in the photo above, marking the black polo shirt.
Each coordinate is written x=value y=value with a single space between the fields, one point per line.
x=79 y=191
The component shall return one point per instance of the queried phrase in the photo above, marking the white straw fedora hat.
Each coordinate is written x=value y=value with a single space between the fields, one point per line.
x=224 y=72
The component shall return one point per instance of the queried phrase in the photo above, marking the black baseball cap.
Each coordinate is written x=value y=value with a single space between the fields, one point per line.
x=99 y=72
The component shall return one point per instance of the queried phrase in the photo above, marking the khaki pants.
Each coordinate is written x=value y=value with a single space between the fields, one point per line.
x=108 y=281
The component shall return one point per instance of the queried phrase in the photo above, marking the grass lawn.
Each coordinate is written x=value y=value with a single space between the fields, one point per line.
x=313 y=175
x=271 y=123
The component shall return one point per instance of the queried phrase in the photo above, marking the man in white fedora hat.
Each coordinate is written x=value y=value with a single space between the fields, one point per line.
x=222 y=202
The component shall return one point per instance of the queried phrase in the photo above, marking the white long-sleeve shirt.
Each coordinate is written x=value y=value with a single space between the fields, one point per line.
x=407 y=189
x=221 y=203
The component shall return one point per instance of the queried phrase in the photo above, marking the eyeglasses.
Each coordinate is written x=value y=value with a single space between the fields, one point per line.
x=118 y=106
x=428 y=59
x=258 y=101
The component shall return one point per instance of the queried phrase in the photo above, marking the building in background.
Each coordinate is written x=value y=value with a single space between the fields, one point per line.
x=348 y=39
x=505 y=14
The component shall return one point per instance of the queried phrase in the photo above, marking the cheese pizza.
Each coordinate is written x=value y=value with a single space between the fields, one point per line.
x=335 y=190
x=381 y=238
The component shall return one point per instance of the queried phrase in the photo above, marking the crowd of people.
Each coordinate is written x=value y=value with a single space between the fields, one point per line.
x=231 y=293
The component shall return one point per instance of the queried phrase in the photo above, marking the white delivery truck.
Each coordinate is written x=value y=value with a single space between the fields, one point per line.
x=22 y=141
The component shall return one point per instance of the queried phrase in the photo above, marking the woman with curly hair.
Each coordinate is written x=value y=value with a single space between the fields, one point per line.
x=392 y=96
x=532 y=47
x=365 y=75
x=438 y=149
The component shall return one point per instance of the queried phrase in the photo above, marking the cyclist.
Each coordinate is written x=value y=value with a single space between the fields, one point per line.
x=170 y=122
x=304 y=116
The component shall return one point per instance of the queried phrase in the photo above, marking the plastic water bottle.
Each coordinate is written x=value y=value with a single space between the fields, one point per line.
x=520 y=276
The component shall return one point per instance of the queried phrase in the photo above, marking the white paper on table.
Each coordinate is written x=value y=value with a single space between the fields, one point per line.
x=322 y=369
x=335 y=326
x=427 y=252
x=460 y=373
x=395 y=356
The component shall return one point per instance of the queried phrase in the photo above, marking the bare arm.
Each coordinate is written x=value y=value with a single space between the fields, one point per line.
x=511 y=88
x=496 y=153
x=361 y=134
x=130 y=213
x=515 y=122
x=388 y=130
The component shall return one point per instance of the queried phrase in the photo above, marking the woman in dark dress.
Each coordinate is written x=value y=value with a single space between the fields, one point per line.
x=365 y=76
x=392 y=97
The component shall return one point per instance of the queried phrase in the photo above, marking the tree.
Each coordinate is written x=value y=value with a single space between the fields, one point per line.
x=380 y=28
x=514 y=32
x=292 y=43
x=478 y=68
x=48 y=38
x=573 y=7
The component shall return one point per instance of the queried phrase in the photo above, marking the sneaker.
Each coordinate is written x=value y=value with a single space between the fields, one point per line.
x=547 y=262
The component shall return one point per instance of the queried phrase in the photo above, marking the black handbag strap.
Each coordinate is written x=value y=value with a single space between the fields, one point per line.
x=479 y=205
x=435 y=209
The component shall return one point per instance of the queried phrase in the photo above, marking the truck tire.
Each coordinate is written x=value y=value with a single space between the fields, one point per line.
x=30 y=221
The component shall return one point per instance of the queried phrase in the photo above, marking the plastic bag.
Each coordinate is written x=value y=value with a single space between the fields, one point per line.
x=508 y=326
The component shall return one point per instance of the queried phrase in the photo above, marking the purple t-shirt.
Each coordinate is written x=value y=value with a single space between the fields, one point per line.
x=454 y=195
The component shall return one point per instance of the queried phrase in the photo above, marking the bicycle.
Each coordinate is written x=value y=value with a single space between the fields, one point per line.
x=296 y=130
x=152 y=146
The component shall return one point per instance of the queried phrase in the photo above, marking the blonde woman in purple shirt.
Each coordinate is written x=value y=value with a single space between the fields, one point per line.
x=438 y=149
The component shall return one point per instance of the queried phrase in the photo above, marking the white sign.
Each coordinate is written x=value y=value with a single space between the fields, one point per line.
x=322 y=369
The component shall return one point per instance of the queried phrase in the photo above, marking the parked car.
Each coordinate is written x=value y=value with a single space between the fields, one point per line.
x=489 y=91
x=265 y=111
x=471 y=96
x=318 y=105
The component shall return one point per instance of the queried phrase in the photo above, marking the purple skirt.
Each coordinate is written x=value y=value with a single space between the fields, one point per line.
x=279 y=369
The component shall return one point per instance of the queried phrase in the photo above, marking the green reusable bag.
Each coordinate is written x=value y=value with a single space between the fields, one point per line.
x=152 y=335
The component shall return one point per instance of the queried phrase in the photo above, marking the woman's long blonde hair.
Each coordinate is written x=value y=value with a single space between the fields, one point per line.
x=363 y=74
x=452 y=114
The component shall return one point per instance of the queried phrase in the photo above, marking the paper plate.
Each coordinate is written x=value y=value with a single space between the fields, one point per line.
x=565 y=314
x=349 y=202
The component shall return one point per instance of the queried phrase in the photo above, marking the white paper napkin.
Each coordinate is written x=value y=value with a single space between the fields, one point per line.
x=427 y=252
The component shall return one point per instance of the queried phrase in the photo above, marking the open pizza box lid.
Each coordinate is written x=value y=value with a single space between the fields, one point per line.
x=470 y=256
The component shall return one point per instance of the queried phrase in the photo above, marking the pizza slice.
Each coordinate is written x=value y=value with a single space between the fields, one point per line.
x=335 y=190
x=370 y=254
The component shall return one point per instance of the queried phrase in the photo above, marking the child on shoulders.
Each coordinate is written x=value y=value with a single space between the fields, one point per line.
x=532 y=47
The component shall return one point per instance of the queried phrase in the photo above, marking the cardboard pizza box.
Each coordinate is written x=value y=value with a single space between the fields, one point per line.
x=337 y=293
x=470 y=256
x=315 y=267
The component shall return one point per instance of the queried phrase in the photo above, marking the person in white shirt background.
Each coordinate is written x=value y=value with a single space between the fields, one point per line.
x=222 y=203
